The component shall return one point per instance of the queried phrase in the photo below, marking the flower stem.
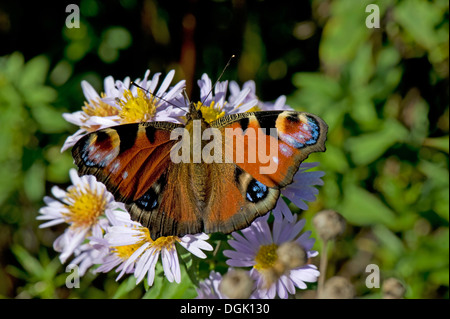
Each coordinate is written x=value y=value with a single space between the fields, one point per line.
x=323 y=268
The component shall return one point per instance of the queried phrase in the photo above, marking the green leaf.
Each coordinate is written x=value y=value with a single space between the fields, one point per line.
x=28 y=262
x=163 y=289
x=190 y=263
x=12 y=66
x=49 y=119
x=34 y=181
x=389 y=240
x=362 y=208
x=440 y=143
x=34 y=73
x=125 y=287
x=335 y=159
x=362 y=67
x=368 y=147
x=59 y=164
x=344 y=32
x=419 y=18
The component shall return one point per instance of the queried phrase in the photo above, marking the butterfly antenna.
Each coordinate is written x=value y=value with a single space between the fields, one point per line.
x=220 y=76
x=147 y=91
x=186 y=97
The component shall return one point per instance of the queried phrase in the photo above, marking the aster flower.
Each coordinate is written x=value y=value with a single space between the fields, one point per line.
x=279 y=104
x=237 y=283
x=88 y=255
x=302 y=189
x=117 y=255
x=136 y=252
x=136 y=105
x=121 y=104
x=82 y=207
x=214 y=105
x=256 y=247
x=209 y=288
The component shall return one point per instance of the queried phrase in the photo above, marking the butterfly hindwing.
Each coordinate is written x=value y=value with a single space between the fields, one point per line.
x=236 y=200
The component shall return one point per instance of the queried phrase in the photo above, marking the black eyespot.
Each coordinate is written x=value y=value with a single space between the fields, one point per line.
x=148 y=201
x=256 y=191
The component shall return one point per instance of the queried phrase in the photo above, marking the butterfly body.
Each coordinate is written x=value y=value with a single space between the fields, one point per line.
x=221 y=189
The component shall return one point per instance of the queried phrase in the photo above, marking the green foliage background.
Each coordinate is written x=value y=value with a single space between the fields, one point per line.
x=383 y=92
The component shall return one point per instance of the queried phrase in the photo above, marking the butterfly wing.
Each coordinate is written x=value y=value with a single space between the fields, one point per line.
x=236 y=199
x=133 y=161
x=271 y=145
x=246 y=190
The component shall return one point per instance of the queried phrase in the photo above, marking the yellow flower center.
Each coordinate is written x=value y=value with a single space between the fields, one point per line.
x=125 y=252
x=140 y=108
x=210 y=113
x=167 y=242
x=97 y=108
x=266 y=257
x=85 y=208
x=256 y=108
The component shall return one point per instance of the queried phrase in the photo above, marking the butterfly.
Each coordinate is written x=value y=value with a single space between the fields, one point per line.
x=174 y=198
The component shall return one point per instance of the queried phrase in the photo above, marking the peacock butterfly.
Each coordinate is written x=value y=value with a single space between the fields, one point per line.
x=169 y=188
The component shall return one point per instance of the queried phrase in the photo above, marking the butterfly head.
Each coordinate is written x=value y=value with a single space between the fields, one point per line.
x=194 y=113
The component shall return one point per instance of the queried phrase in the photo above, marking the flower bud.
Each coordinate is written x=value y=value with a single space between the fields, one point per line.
x=393 y=289
x=338 y=288
x=236 y=284
x=292 y=255
x=329 y=224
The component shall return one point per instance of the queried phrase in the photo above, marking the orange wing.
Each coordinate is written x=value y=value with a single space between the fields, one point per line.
x=271 y=145
x=133 y=161
x=261 y=155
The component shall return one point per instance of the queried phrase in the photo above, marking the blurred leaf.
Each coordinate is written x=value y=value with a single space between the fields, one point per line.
x=389 y=240
x=29 y=263
x=419 y=18
x=440 y=143
x=190 y=263
x=360 y=207
x=34 y=73
x=34 y=181
x=49 y=119
x=125 y=287
x=368 y=147
x=12 y=66
x=344 y=33
x=163 y=289
x=117 y=38
x=436 y=172
x=59 y=164
x=318 y=84
x=335 y=159
x=40 y=95
x=362 y=67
